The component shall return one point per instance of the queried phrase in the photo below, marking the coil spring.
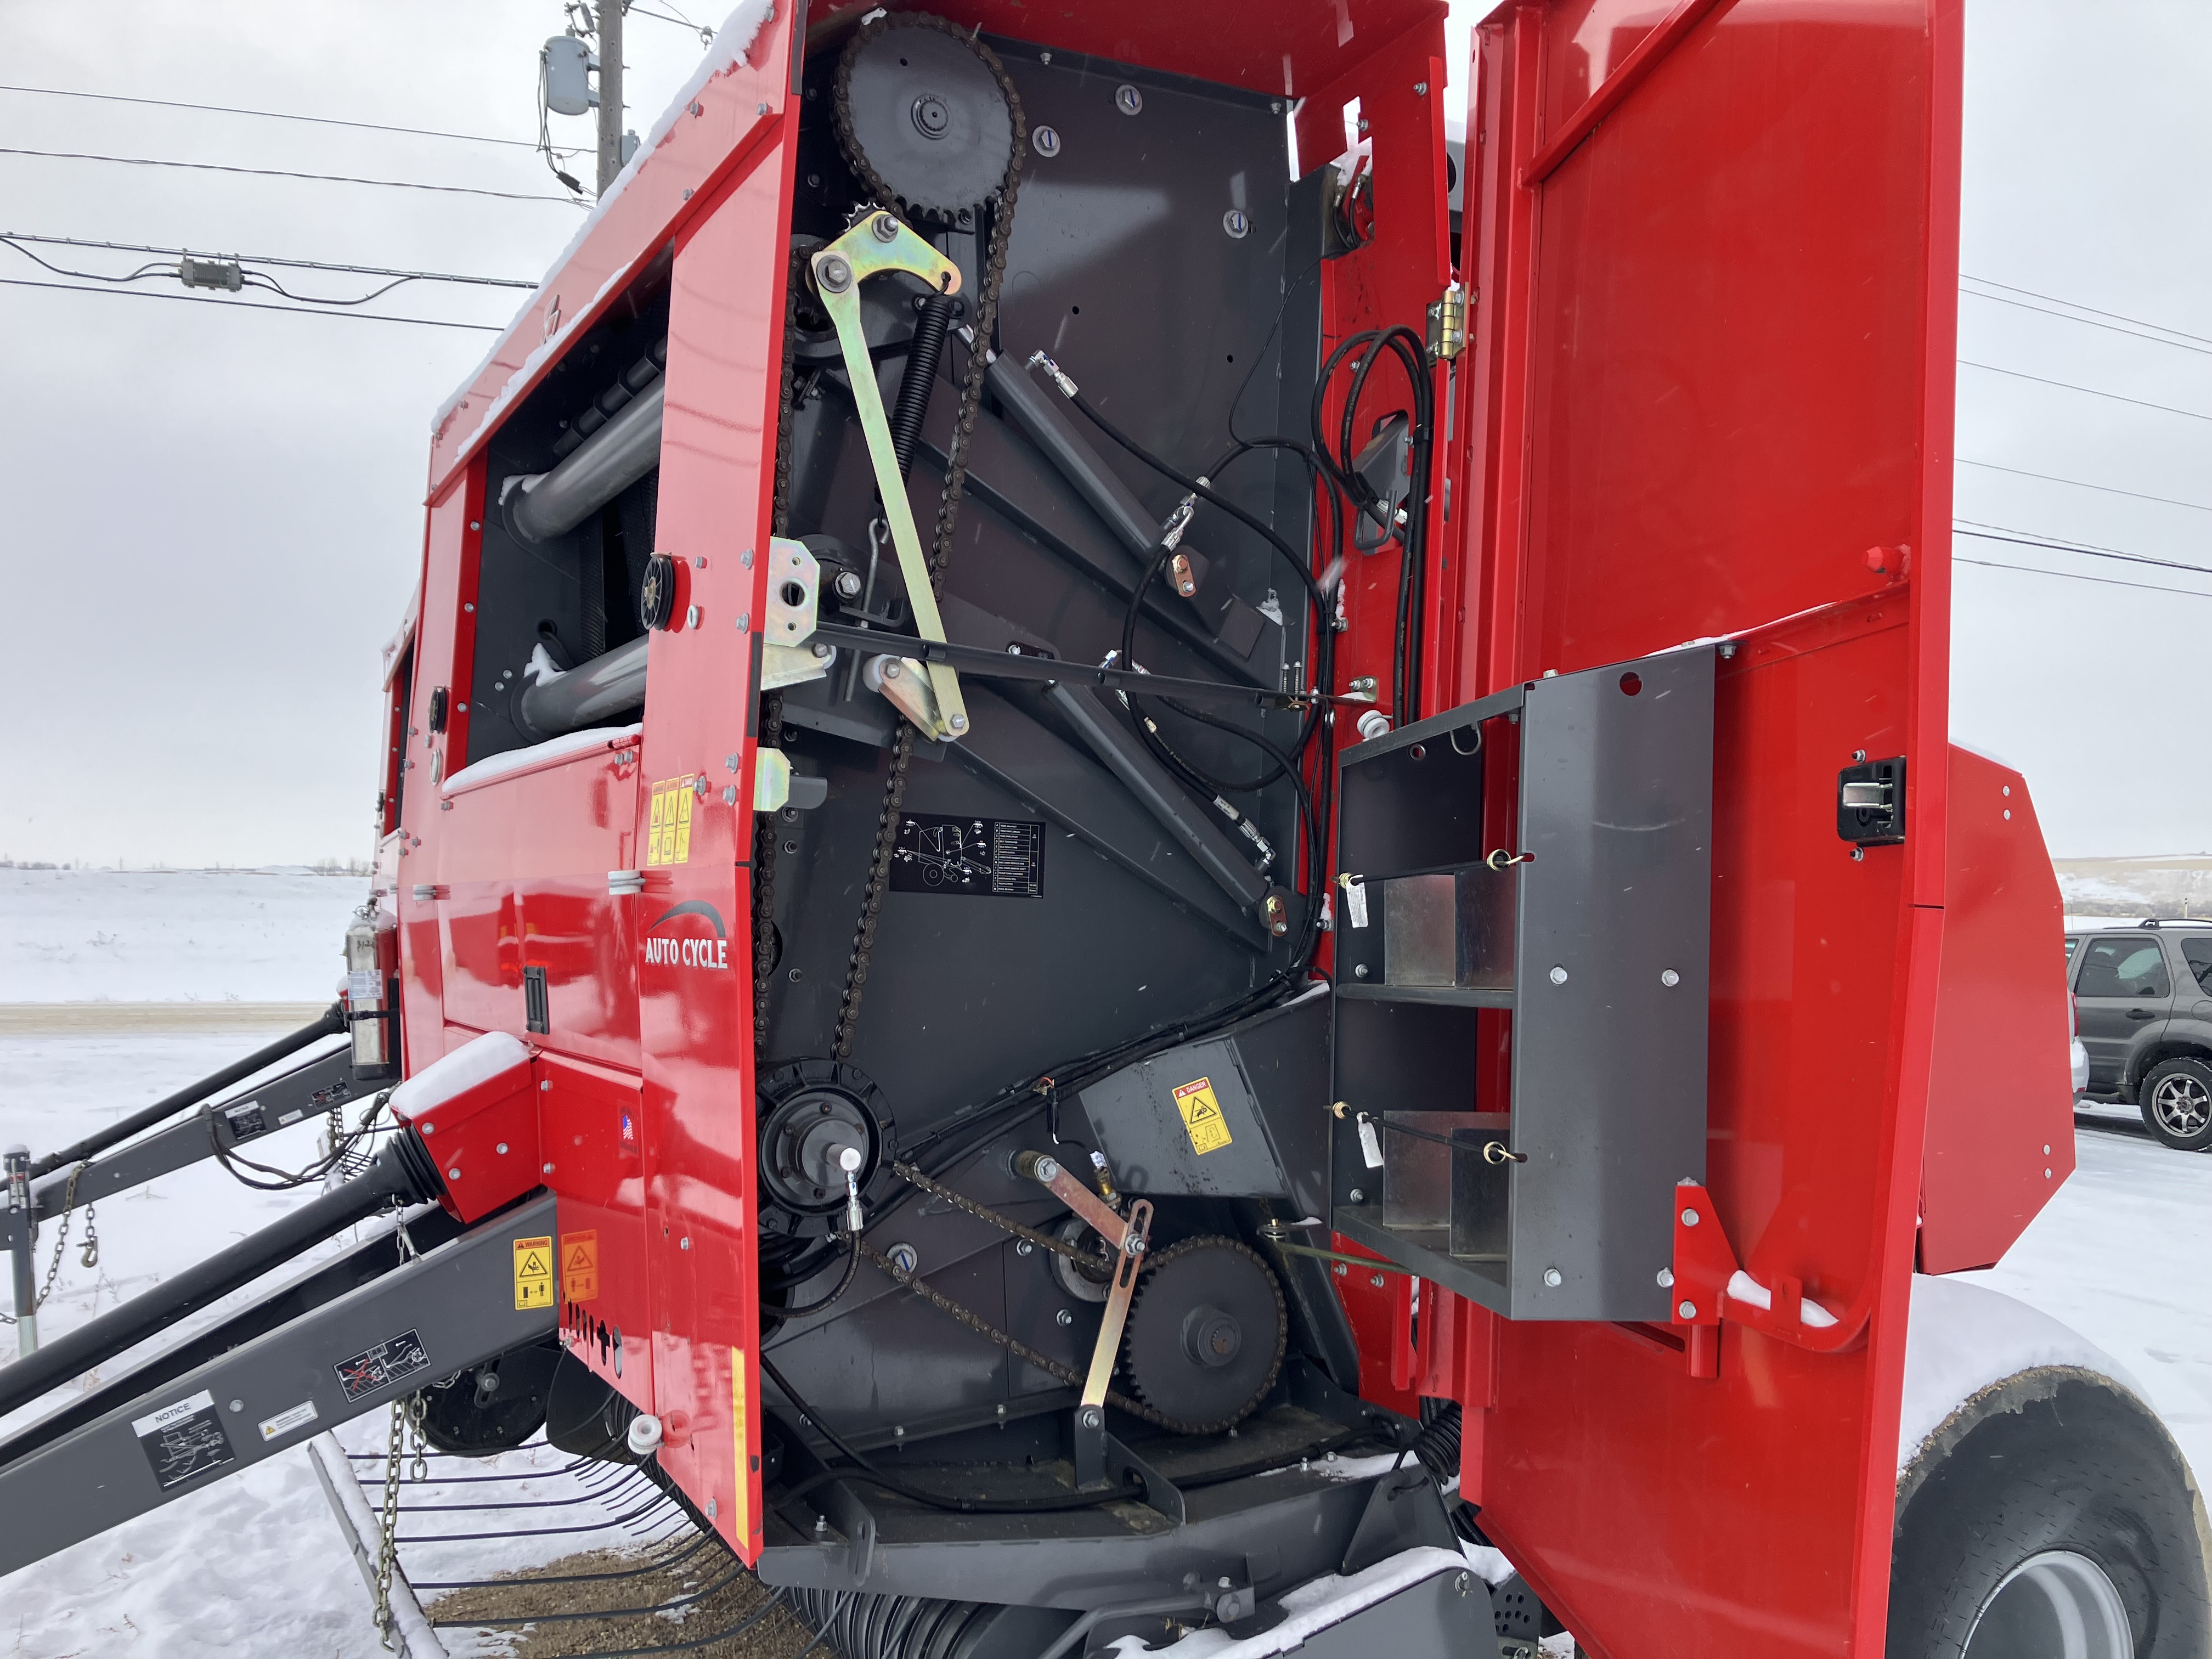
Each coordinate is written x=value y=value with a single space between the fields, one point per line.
x=924 y=1627
x=922 y=358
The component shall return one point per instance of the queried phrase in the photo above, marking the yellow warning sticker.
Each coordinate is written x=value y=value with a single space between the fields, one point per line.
x=668 y=831
x=580 y=1265
x=743 y=1527
x=534 y=1272
x=1201 y=1117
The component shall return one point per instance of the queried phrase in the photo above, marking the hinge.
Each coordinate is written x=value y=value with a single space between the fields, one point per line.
x=1448 y=325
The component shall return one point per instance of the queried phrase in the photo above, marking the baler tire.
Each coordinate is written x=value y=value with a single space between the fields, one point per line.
x=2054 y=1483
x=2181 y=1087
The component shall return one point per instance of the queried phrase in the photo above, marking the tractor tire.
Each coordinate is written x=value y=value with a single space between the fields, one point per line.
x=2177 y=1103
x=2051 y=1516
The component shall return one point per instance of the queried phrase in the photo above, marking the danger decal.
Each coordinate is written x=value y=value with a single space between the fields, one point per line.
x=580 y=1265
x=534 y=1272
x=1201 y=1117
x=668 y=831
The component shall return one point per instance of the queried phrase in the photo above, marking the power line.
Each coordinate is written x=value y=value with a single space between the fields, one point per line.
x=2066 y=385
x=2070 y=576
x=2023 y=539
x=2089 y=322
x=250 y=305
x=2108 y=489
x=272 y=173
x=273 y=115
x=2116 y=316
x=268 y=260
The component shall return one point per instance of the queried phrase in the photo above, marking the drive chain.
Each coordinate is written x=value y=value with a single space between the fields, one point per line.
x=981 y=1211
x=1000 y=209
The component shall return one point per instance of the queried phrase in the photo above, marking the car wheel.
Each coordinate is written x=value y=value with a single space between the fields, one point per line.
x=2051 y=1517
x=2177 y=1103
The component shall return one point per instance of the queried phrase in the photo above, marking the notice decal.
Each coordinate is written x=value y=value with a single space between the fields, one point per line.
x=183 y=1441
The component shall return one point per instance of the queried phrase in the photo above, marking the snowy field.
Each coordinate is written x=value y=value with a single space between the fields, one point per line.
x=253 y=1566
x=189 y=936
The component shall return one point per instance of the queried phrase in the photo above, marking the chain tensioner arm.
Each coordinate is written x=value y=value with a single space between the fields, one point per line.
x=928 y=695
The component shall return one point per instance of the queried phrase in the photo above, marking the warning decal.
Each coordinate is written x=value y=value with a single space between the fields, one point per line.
x=388 y=1361
x=580 y=1265
x=743 y=1527
x=1201 y=1117
x=668 y=832
x=534 y=1272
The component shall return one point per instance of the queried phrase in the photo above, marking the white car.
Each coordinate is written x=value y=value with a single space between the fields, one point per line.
x=2081 y=1056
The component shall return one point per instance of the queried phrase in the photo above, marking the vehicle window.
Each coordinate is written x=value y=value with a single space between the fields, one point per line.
x=2071 y=943
x=2197 y=953
x=2124 y=967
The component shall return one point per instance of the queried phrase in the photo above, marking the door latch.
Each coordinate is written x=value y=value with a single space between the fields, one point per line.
x=1870 y=803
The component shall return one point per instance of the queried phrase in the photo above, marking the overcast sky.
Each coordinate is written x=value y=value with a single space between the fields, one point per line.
x=213 y=521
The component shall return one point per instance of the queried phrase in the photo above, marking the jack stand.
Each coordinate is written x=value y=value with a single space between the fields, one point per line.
x=22 y=1237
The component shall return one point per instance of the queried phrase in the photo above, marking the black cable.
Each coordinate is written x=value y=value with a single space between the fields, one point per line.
x=2116 y=316
x=251 y=305
x=277 y=172
x=2078 y=483
x=1983 y=533
x=2068 y=575
x=21 y=236
x=272 y=115
x=2063 y=385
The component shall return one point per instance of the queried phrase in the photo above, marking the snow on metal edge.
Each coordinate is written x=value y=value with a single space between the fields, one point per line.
x=1961 y=1338
x=732 y=41
x=475 y=1062
x=516 y=760
x=1315 y=1606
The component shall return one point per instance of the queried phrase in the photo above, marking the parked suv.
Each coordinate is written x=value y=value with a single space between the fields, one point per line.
x=2142 y=1002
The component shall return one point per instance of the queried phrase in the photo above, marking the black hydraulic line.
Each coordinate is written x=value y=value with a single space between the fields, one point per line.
x=1197 y=828
x=331 y=1022
x=922 y=357
x=402 y=1174
x=588 y=694
x=970 y=660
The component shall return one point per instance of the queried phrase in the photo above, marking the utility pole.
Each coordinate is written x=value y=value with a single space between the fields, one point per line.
x=611 y=91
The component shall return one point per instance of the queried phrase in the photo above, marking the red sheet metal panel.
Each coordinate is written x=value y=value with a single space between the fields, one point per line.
x=2001 y=1094
x=1710 y=369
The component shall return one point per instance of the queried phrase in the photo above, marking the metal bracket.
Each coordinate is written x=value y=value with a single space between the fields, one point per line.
x=877 y=245
x=794 y=581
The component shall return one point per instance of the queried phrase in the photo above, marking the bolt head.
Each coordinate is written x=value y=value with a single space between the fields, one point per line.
x=1553 y=1278
x=545 y=1170
x=453 y=1175
x=1023 y=1247
x=884 y=227
x=1669 y=978
x=1045 y=141
x=822 y=649
x=1064 y=1318
x=1357 y=1196
x=958 y=722
x=849 y=584
x=891 y=670
x=238 y=1405
x=1558 y=975
x=1237 y=223
x=1666 y=1278
x=1686 y=1310
x=501 y=1149
x=1689 y=1218
x=1128 y=99
x=834 y=274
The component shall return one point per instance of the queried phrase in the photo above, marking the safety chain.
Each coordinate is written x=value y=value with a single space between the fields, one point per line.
x=88 y=1257
x=388 y=1526
x=1000 y=209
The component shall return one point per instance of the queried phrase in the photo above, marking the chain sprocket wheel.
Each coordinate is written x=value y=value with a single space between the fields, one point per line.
x=1207 y=1332
x=924 y=111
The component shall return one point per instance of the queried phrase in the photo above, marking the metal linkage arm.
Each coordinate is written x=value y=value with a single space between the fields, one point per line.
x=877 y=245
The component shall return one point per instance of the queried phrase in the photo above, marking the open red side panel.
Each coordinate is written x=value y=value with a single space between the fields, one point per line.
x=1708 y=389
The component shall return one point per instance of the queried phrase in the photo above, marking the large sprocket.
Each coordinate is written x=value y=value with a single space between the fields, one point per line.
x=1206 y=1334
x=925 y=109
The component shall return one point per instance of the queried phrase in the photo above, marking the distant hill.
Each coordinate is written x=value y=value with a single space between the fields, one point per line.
x=174 y=935
x=2178 y=884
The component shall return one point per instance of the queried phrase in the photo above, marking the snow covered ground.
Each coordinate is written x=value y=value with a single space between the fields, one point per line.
x=174 y=935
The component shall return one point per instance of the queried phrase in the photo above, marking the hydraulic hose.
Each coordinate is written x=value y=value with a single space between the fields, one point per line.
x=331 y=1022
x=402 y=1174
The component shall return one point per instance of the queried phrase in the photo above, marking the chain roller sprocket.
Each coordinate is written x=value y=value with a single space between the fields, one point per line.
x=1232 y=1282
x=926 y=116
